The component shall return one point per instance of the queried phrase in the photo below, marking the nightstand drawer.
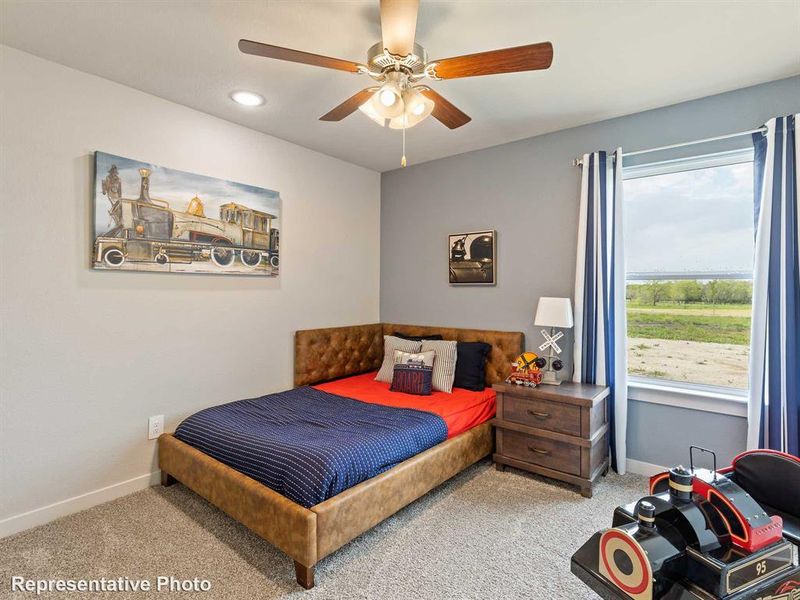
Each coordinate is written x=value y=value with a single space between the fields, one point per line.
x=542 y=414
x=552 y=454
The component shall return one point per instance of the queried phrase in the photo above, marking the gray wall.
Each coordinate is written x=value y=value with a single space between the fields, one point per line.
x=528 y=191
x=661 y=435
x=87 y=356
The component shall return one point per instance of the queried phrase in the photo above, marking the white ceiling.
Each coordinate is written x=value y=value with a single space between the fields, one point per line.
x=611 y=59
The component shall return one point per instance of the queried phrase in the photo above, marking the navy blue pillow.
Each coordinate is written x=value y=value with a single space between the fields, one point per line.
x=471 y=365
x=418 y=338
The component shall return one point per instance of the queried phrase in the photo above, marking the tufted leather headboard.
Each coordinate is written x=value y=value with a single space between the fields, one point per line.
x=326 y=354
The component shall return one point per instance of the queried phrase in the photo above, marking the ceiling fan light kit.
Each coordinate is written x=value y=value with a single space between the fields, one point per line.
x=397 y=63
x=417 y=109
x=397 y=104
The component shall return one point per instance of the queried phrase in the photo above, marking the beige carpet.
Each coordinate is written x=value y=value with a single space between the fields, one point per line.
x=483 y=534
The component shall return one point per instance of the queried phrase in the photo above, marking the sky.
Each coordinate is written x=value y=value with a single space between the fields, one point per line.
x=698 y=220
x=177 y=188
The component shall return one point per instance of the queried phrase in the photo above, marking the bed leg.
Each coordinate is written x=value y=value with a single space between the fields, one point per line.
x=167 y=479
x=305 y=575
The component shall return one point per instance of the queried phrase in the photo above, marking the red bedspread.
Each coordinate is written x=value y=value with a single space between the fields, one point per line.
x=461 y=410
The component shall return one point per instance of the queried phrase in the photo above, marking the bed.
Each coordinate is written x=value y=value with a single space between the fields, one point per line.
x=339 y=363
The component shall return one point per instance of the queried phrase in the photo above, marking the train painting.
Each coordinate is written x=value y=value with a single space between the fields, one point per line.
x=150 y=218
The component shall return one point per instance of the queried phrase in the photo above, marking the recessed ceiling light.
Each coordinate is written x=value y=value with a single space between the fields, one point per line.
x=247 y=98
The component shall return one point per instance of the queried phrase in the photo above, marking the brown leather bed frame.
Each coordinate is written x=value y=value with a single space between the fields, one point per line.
x=308 y=535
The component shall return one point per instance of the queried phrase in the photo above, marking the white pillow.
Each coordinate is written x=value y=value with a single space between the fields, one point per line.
x=390 y=344
x=444 y=367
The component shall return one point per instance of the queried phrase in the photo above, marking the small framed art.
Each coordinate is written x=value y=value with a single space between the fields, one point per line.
x=472 y=258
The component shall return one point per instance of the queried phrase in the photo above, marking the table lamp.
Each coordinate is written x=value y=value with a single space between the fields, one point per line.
x=552 y=313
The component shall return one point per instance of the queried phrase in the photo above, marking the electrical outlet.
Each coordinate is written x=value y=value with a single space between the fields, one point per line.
x=155 y=427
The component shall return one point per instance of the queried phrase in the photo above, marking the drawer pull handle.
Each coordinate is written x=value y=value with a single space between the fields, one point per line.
x=539 y=415
x=538 y=450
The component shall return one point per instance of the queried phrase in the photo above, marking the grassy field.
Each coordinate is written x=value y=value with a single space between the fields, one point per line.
x=720 y=323
x=681 y=306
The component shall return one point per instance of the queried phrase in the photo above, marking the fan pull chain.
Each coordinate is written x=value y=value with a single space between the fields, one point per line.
x=403 y=160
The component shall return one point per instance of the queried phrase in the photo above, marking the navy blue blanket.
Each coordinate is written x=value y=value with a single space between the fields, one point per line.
x=310 y=445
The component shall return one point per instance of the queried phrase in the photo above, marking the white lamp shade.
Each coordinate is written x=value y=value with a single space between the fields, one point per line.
x=554 y=312
x=370 y=111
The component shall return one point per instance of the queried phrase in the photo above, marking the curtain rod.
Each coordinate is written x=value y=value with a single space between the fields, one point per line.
x=579 y=161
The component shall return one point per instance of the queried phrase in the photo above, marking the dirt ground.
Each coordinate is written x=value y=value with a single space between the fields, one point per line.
x=695 y=362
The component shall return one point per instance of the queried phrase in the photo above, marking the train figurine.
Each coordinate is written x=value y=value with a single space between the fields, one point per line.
x=525 y=370
x=703 y=534
x=147 y=231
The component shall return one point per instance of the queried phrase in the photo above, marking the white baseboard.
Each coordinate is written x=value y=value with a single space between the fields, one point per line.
x=45 y=514
x=643 y=468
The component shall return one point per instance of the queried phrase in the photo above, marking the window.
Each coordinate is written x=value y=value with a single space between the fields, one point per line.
x=689 y=252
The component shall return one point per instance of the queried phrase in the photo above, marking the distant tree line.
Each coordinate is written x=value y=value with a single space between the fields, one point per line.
x=716 y=291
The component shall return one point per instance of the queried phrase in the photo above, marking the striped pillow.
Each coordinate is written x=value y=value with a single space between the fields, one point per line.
x=444 y=368
x=413 y=373
x=390 y=344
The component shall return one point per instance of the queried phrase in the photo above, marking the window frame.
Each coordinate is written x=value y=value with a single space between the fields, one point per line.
x=697 y=396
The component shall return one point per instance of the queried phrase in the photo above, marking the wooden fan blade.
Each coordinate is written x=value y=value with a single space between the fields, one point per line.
x=509 y=60
x=307 y=58
x=399 y=25
x=444 y=111
x=349 y=106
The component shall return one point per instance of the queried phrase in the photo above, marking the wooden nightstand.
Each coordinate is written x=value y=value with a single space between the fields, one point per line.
x=555 y=431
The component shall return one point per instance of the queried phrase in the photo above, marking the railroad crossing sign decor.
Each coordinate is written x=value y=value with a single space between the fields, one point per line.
x=550 y=341
x=552 y=313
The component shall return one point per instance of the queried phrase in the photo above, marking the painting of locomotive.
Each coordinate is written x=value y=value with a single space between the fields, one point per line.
x=707 y=534
x=473 y=258
x=150 y=218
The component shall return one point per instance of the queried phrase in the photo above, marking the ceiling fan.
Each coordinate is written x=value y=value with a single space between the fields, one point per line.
x=397 y=64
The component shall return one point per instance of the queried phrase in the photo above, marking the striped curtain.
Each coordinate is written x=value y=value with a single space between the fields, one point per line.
x=774 y=403
x=600 y=330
